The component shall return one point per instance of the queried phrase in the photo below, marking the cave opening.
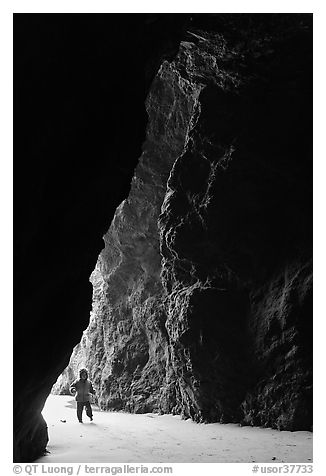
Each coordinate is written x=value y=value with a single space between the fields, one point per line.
x=200 y=300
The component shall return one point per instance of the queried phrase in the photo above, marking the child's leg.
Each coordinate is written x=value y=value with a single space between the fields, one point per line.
x=89 y=412
x=80 y=406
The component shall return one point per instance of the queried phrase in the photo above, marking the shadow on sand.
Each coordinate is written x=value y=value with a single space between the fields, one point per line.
x=72 y=404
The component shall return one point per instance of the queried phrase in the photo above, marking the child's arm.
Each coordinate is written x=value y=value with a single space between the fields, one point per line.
x=73 y=388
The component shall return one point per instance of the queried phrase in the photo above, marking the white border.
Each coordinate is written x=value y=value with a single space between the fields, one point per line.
x=202 y=6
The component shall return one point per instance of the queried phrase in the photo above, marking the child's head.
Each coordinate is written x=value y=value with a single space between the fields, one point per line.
x=83 y=374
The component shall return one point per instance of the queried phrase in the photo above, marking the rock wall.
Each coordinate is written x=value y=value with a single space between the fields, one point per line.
x=125 y=345
x=202 y=296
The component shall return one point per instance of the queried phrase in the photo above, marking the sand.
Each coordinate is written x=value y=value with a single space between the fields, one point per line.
x=150 y=438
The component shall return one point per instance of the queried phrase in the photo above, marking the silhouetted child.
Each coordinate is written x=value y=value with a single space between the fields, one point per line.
x=83 y=388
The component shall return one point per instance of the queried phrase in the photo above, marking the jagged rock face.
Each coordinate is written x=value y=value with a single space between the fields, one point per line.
x=125 y=345
x=79 y=121
x=202 y=295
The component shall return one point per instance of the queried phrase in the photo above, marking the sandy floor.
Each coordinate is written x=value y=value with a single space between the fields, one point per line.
x=124 y=438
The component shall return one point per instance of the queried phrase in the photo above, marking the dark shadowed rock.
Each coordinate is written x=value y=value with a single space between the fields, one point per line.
x=236 y=235
x=79 y=91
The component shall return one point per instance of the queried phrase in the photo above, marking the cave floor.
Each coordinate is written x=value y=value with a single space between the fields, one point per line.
x=115 y=437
